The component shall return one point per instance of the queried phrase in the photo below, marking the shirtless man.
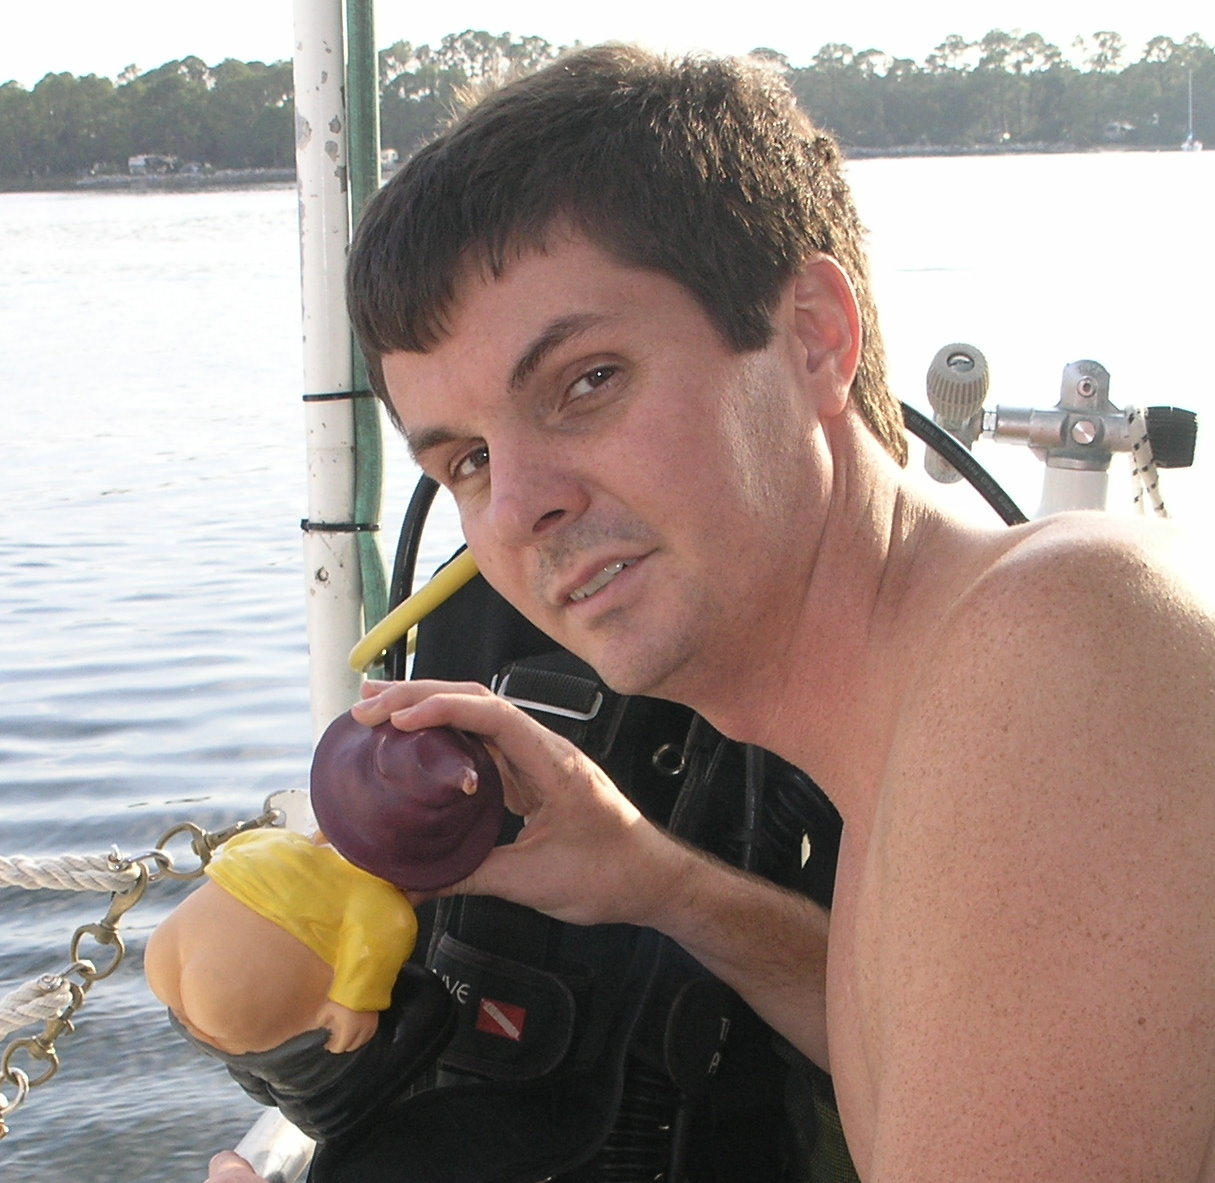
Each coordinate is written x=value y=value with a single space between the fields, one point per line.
x=1017 y=981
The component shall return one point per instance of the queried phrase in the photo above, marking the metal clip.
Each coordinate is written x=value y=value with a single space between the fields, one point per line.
x=198 y=844
x=40 y=1048
x=19 y=1078
x=103 y=934
x=213 y=840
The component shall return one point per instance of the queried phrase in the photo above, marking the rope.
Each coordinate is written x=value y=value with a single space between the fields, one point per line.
x=1143 y=464
x=56 y=999
x=36 y=1001
x=69 y=872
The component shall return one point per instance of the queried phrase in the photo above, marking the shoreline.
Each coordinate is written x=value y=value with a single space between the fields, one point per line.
x=240 y=178
x=857 y=152
x=222 y=178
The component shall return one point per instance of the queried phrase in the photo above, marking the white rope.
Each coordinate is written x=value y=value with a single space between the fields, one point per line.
x=69 y=872
x=1143 y=464
x=36 y=1001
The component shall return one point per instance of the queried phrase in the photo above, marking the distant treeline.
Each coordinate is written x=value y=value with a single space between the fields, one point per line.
x=1004 y=89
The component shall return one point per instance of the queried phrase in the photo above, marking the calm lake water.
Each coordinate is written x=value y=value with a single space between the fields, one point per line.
x=152 y=652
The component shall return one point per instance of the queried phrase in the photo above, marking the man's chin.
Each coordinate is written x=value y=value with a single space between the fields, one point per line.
x=634 y=674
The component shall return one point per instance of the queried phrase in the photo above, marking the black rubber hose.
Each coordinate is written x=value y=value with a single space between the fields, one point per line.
x=405 y=566
x=986 y=485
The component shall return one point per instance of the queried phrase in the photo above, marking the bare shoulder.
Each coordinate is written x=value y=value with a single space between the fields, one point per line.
x=1085 y=562
x=1105 y=612
x=1038 y=931
x=1071 y=684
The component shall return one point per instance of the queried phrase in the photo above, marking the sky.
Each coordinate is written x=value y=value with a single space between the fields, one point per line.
x=86 y=37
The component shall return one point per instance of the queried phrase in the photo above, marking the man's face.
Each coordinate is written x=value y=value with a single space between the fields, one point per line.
x=623 y=478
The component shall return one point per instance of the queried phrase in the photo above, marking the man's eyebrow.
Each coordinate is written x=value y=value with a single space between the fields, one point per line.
x=553 y=335
x=560 y=331
x=421 y=442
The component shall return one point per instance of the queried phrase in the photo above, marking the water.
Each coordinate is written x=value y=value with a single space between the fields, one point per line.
x=152 y=654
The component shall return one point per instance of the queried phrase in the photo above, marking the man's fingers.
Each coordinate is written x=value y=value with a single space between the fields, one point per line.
x=497 y=875
x=382 y=699
x=530 y=751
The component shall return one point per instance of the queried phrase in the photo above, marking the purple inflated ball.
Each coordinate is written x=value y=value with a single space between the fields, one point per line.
x=421 y=809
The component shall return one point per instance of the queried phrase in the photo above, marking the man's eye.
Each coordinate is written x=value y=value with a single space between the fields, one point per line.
x=470 y=463
x=591 y=381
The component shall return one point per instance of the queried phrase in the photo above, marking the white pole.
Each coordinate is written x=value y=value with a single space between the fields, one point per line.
x=278 y=1150
x=330 y=556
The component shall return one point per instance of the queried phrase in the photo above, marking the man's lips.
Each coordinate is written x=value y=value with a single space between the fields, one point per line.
x=599 y=580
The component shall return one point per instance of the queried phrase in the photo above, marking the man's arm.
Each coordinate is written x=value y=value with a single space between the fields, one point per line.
x=587 y=856
x=767 y=943
x=1041 y=932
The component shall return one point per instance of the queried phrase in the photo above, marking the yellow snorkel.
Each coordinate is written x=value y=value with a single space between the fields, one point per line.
x=407 y=613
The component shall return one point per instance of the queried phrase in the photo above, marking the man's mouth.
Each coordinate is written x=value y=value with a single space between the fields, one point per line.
x=600 y=580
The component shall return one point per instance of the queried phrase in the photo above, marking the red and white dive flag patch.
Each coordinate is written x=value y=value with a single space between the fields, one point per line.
x=501 y=1018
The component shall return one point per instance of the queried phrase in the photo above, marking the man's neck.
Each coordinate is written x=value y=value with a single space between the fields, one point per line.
x=824 y=693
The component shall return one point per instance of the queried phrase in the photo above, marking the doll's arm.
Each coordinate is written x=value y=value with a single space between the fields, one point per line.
x=377 y=935
x=348 y=1029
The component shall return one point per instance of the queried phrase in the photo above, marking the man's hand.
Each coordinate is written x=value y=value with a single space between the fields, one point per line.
x=228 y=1167
x=586 y=855
x=348 y=1029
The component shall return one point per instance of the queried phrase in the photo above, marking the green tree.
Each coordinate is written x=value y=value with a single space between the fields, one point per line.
x=239 y=114
x=72 y=123
x=165 y=109
x=770 y=57
x=995 y=88
x=1160 y=49
x=419 y=87
x=413 y=96
x=1105 y=52
x=249 y=116
x=826 y=87
x=950 y=56
x=17 y=158
x=1040 y=84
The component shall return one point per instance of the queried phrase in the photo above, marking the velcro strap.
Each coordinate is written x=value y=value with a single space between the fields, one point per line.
x=515 y=1022
x=564 y=695
x=550 y=692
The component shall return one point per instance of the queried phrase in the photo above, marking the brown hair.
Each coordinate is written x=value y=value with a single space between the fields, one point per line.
x=701 y=169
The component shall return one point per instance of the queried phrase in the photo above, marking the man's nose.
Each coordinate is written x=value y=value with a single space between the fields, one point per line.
x=534 y=491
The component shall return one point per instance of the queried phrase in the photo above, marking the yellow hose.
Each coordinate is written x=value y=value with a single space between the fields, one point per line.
x=406 y=614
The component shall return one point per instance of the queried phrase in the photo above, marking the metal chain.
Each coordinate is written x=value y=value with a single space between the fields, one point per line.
x=83 y=972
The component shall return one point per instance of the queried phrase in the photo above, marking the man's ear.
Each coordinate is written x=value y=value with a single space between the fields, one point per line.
x=828 y=324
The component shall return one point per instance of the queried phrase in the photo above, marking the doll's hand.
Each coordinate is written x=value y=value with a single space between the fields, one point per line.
x=348 y=1029
x=228 y=1167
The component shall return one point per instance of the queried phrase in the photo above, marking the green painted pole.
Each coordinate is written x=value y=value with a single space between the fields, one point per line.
x=363 y=159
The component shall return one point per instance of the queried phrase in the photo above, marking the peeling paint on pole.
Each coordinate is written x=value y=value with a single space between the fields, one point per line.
x=331 y=562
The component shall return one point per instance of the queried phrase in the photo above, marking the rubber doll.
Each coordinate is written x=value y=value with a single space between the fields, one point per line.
x=290 y=962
